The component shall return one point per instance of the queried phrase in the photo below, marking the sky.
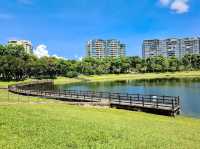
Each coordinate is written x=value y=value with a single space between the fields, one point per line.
x=62 y=27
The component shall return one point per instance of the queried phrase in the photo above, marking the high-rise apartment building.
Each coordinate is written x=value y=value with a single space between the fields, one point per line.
x=26 y=44
x=105 y=48
x=171 y=47
x=190 y=46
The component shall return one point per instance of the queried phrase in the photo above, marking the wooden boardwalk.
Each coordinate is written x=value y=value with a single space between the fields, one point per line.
x=166 y=105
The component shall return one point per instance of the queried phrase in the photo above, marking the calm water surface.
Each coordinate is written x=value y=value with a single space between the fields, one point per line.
x=187 y=89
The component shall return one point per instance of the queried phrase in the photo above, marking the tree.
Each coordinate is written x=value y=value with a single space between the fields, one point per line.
x=173 y=64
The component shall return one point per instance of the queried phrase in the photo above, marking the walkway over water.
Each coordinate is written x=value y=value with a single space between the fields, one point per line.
x=167 y=105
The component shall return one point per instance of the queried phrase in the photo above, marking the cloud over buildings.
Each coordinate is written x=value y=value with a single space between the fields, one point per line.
x=59 y=57
x=41 y=51
x=178 y=6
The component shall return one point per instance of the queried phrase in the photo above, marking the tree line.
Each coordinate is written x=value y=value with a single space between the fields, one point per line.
x=16 y=64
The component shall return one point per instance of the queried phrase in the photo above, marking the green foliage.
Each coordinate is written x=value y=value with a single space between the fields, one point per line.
x=71 y=74
x=16 y=64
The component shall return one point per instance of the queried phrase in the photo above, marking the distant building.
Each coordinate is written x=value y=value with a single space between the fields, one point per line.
x=26 y=44
x=190 y=46
x=171 y=47
x=105 y=48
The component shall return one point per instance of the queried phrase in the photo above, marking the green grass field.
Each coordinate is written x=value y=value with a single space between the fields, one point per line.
x=114 y=77
x=7 y=97
x=58 y=126
x=31 y=122
x=4 y=84
x=137 y=76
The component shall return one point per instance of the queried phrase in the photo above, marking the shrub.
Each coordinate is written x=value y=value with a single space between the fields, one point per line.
x=71 y=74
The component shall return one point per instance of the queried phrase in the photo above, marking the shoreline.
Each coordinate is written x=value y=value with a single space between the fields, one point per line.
x=119 y=77
x=116 y=77
x=124 y=77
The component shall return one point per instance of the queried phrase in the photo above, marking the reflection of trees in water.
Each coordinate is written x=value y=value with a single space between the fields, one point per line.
x=165 y=82
x=146 y=83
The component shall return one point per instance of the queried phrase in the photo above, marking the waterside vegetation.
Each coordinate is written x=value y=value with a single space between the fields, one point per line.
x=16 y=64
x=41 y=123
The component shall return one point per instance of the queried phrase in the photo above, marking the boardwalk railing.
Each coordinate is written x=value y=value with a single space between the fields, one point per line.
x=45 y=89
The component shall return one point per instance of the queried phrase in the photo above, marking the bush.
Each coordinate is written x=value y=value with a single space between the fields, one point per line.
x=71 y=74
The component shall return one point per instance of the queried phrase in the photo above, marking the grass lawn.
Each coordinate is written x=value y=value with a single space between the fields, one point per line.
x=113 y=77
x=137 y=76
x=6 y=97
x=53 y=126
x=4 y=84
x=64 y=80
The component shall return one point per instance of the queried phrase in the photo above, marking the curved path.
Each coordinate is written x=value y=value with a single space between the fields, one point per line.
x=168 y=105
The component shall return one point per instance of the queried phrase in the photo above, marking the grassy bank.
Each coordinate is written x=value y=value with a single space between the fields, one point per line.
x=137 y=76
x=7 y=97
x=4 y=84
x=114 y=77
x=62 y=126
x=64 y=80
x=52 y=125
x=96 y=78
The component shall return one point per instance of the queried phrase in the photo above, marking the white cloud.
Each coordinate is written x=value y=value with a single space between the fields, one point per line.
x=59 y=57
x=180 y=6
x=41 y=51
x=78 y=57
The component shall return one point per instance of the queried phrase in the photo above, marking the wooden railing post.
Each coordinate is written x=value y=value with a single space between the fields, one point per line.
x=157 y=102
x=8 y=93
x=18 y=94
x=130 y=100
x=143 y=101
x=109 y=96
x=178 y=101
x=172 y=104
x=163 y=99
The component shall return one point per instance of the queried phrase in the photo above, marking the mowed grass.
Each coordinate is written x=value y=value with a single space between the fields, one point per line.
x=59 y=126
x=65 y=80
x=137 y=76
x=4 y=84
x=52 y=125
x=7 y=97
x=114 y=77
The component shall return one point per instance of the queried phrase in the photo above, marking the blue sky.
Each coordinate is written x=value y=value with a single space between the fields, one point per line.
x=64 y=26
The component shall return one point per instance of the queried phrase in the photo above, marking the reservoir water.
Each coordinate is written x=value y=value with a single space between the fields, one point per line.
x=187 y=89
